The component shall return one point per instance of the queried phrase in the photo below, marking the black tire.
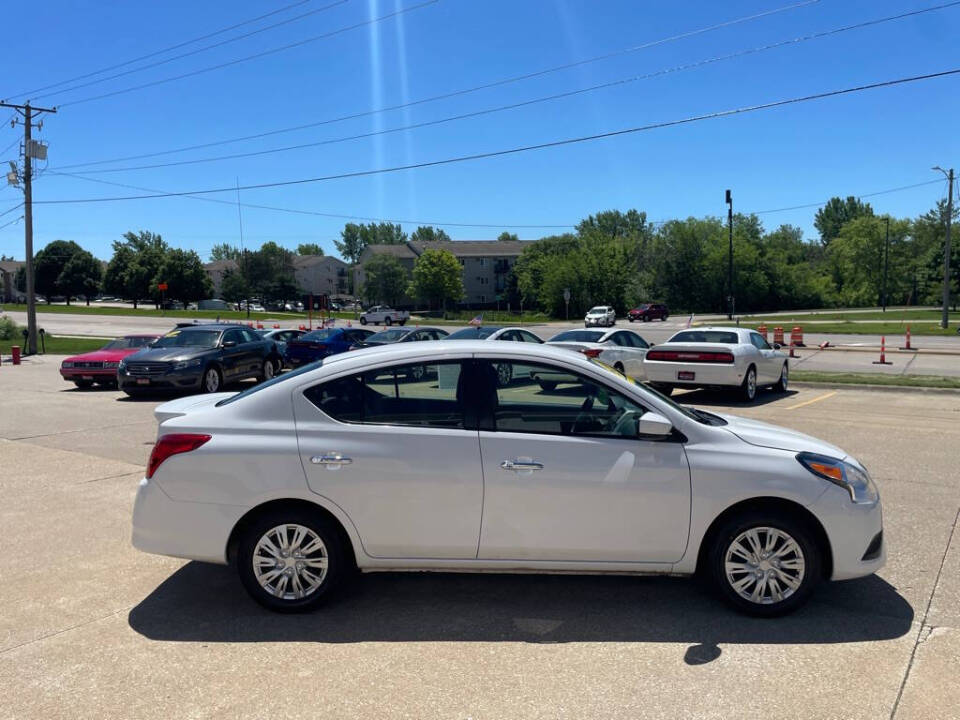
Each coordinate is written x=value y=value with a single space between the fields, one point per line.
x=388 y=321
x=618 y=366
x=401 y=323
x=267 y=370
x=206 y=384
x=809 y=555
x=363 y=320
x=630 y=318
x=646 y=318
x=665 y=390
x=504 y=374
x=547 y=385
x=324 y=529
x=748 y=388
x=784 y=382
x=665 y=316
x=83 y=384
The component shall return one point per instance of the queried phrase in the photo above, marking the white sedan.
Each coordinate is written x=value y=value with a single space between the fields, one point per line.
x=622 y=350
x=713 y=357
x=600 y=315
x=350 y=464
x=492 y=332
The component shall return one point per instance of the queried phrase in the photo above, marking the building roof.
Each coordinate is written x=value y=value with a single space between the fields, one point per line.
x=304 y=261
x=10 y=266
x=221 y=265
x=475 y=248
x=398 y=251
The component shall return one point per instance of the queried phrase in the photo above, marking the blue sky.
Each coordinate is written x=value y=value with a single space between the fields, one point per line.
x=773 y=159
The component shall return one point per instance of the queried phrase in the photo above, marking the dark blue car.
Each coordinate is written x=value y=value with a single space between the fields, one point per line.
x=319 y=344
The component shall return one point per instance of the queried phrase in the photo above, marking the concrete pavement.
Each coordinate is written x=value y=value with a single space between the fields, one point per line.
x=93 y=629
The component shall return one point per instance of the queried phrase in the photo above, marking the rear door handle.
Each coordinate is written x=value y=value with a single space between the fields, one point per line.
x=521 y=465
x=331 y=459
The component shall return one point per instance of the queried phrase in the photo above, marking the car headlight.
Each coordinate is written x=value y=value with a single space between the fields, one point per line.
x=184 y=364
x=853 y=479
x=67 y=364
x=111 y=364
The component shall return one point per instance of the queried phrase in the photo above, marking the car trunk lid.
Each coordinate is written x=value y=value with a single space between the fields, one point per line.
x=186 y=405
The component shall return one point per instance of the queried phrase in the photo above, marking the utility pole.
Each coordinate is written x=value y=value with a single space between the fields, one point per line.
x=945 y=313
x=886 y=262
x=28 y=153
x=731 y=306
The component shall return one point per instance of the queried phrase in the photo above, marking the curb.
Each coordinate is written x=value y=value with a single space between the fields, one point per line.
x=865 y=386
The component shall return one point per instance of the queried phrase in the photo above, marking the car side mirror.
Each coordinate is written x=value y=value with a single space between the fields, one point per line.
x=653 y=425
x=777 y=346
x=229 y=343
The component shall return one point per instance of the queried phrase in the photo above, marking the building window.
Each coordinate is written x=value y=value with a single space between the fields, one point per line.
x=480 y=260
x=483 y=298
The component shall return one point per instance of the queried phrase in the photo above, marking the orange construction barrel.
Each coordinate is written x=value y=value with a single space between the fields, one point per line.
x=763 y=331
x=796 y=336
x=778 y=336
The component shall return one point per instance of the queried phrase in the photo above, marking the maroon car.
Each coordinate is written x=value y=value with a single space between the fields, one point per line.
x=100 y=366
x=646 y=312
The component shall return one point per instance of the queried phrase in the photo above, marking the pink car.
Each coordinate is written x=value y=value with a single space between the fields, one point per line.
x=100 y=366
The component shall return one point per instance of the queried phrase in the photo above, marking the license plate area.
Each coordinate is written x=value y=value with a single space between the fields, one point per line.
x=686 y=375
x=143 y=381
x=86 y=377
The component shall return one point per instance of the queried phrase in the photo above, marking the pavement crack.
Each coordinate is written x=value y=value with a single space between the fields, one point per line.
x=923 y=622
x=110 y=477
x=65 y=630
x=79 y=430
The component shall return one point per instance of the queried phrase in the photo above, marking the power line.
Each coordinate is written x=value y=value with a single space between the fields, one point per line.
x=525 y=103
x=528 y=148
x=315 y=213
x=196 y=51
x=255 y=56
x=164 y=50
x=15 y=141
x=15 y=220
x=862 y=195
x=10 y=210
x=453 y=93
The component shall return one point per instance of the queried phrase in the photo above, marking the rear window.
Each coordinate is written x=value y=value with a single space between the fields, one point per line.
x=276 y=380
x=578 y=336
x=472 y=333
x=706 y=336
x=387 y=336
x=319 y=334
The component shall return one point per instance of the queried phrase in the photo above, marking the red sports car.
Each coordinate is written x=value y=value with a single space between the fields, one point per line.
x=100 y=366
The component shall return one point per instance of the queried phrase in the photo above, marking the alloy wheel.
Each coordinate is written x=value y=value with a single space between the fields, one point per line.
x=504 y=374
x=290 y=561
x=764 y=565
x=268 y=369
x=211 y=380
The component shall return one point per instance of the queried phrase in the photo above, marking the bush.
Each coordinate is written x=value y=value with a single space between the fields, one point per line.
x=8 y=329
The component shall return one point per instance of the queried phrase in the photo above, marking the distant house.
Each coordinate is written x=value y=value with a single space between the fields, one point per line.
x=8 y=275
x=315 y=274
x=486 y=265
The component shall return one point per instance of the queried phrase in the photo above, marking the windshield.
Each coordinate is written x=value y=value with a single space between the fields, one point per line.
x=599 y=310
x=319 y=335
x=578 y=336
x=472 y=333
x=387 y=336
x=189 y=338
x=128 y=343
x=706 y=336
x=271 y=382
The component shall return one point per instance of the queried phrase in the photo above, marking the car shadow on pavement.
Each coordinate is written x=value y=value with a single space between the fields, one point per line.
x=206 y=603
x=724 y=398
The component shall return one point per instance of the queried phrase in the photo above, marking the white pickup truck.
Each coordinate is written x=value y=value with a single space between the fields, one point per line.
x=384 y=314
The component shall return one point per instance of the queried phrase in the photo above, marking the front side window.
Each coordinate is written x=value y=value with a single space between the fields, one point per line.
x=555 y=401
x=419 y=394
x=759 y=342
x=526 y=336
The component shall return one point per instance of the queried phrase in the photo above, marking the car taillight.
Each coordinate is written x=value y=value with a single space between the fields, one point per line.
x=690 y=356
x=173 y=444
x=591 y=352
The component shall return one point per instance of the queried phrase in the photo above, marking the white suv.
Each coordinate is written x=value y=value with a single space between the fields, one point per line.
x=600 y=315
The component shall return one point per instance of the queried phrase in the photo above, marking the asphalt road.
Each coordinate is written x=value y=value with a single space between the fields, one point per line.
x=91 y=628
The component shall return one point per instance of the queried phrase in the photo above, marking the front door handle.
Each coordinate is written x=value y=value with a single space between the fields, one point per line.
x=521 y=465
x=332 y=460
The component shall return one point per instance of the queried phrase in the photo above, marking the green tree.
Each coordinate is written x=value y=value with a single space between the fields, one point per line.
x=837 y=213
x=224 y=251
x=309 y=249
x=856 y=256
x=926 y=266
x=615 y=224
x=284 y=287
x=428 y=233
x=134 y=265
x=507 y=237
x=437 y=277
x=81 y=276
x=233 y=286
x=351 y=243
x=386 y=280
x=48 y=264
x=185 y=276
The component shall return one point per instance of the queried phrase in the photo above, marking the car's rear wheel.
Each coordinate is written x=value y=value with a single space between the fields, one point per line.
x=417 y=372
x=618 y=366
x=765 y=562
x=504 y=374
x=290 y=560
x=748 y=388
x=83 y=384
x=646 y=318
x=267 y=371
x=665 y=316
x=547 y=385
x=630 y=318
x=212 y=380
x=388 y=321
x=784 y=380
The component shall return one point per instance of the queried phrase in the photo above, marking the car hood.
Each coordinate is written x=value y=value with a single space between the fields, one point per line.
x=170 y=354
x=185 y=405
x=102 y=356
x=766 y=435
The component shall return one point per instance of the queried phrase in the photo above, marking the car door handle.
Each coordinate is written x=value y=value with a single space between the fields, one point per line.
x=521 y=465
x=331 y=459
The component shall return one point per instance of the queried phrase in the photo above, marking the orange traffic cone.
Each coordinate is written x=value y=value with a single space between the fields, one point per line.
x=883 y=352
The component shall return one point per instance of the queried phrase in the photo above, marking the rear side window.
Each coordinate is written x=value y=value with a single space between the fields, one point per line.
x=425 y=395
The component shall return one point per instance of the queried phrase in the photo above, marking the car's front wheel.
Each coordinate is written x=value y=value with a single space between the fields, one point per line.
x=363 y=320
x=547 y=385
x=290 y=560
x=212 y=380
x=765 y=562
x=504 y=374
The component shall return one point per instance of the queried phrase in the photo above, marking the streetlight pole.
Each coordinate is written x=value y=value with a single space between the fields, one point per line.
x=731 y=305
x=886 y=263
x=945 y=316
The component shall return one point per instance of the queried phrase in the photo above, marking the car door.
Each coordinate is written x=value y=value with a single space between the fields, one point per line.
x=768 y=363
x=232 y=357
x=636 y=348
x=255 y=351
x=568 y=479
x=401 y=458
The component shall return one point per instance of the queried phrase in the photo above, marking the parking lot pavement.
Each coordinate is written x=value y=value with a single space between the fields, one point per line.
x=93 y=629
